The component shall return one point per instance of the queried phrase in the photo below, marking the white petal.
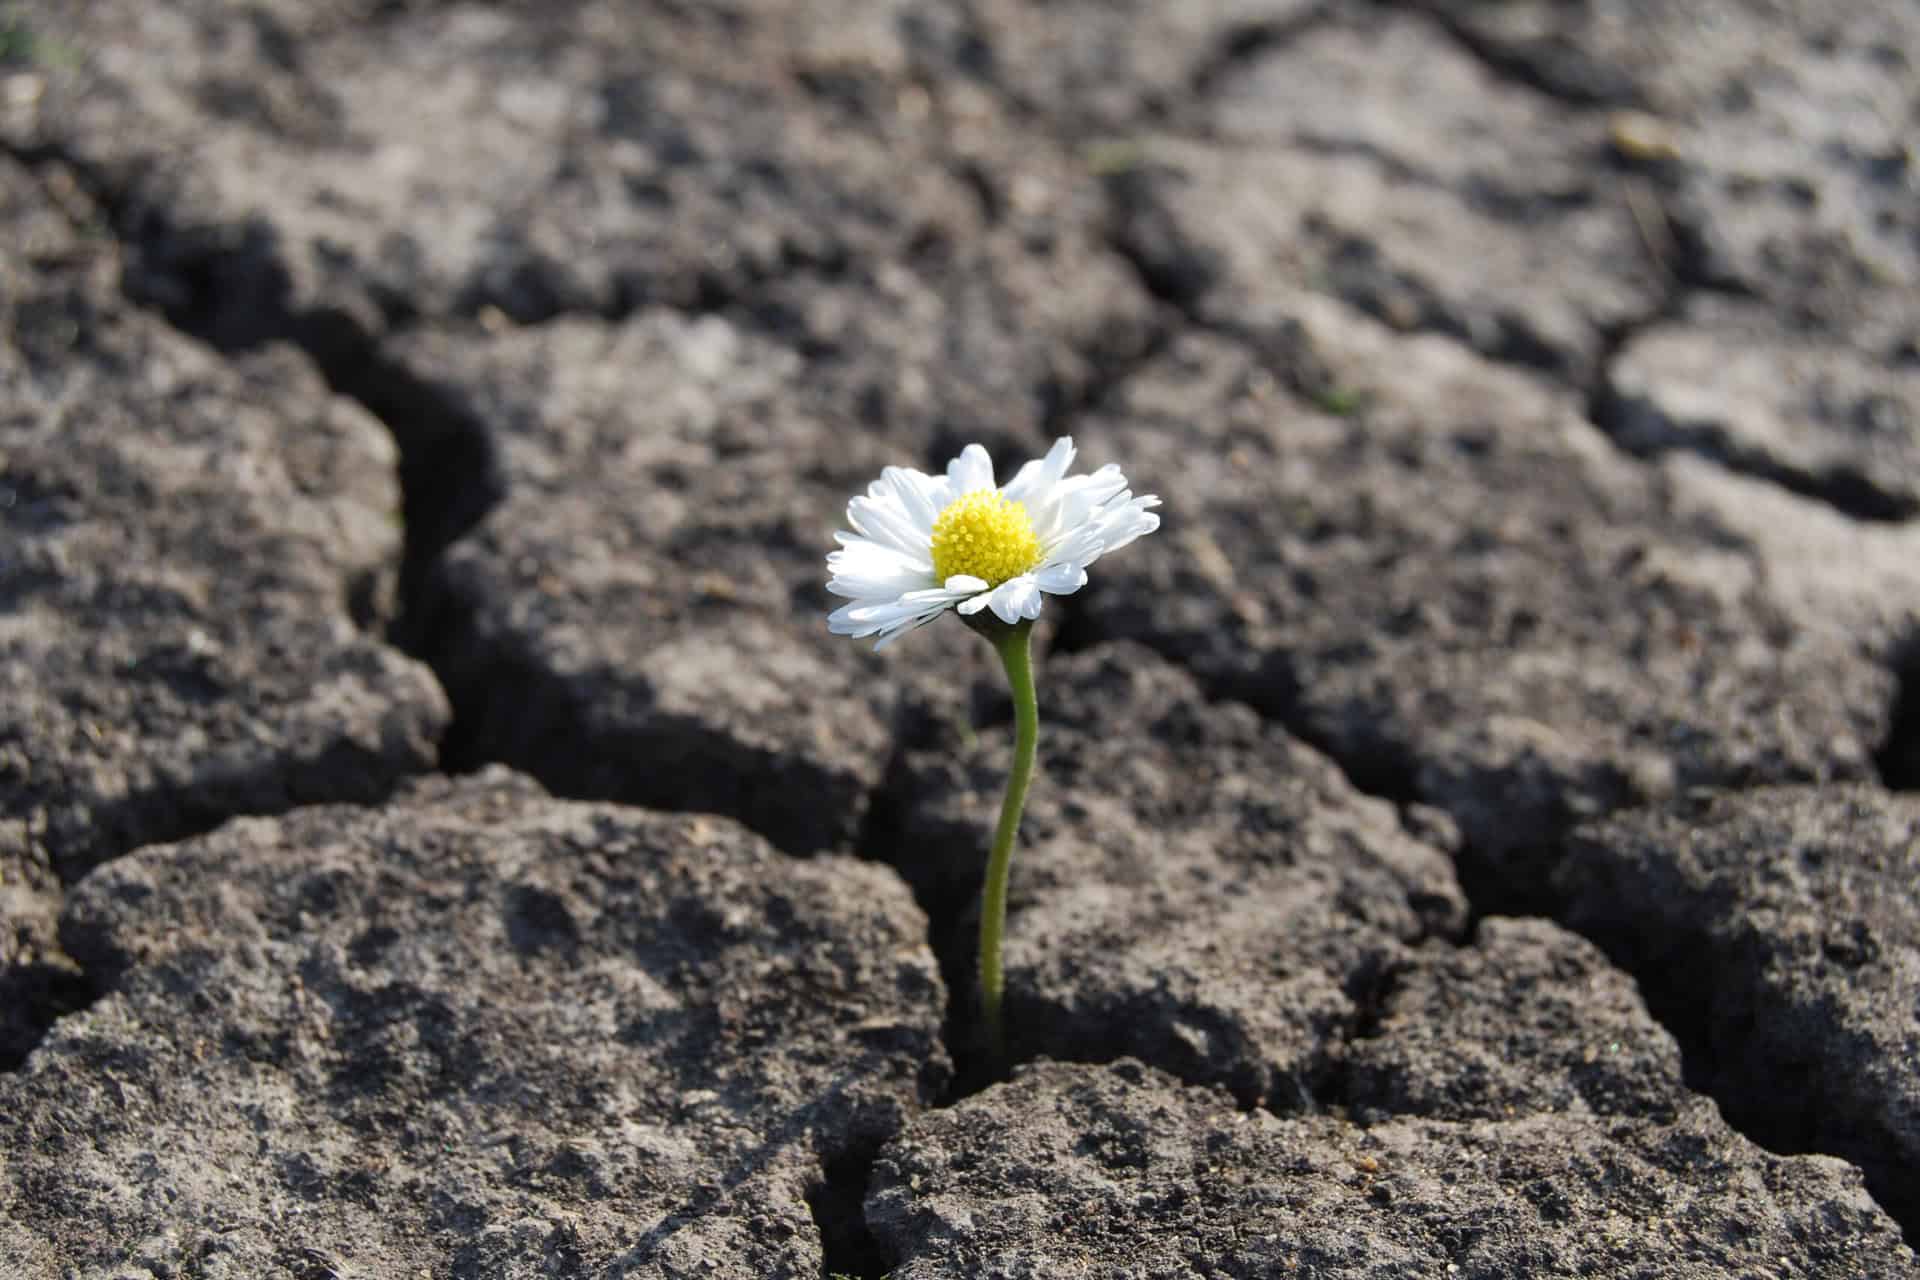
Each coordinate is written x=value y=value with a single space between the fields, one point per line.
x=965 y=583
x=976 y=604
x=864 y=555
x=1129 y=522
x=1082 y=546
x=871 y=614
x=859 y=549
x=971 y=471
x=841 y=621
x=1025 y=481
x=888 y=617
x=863 y=568
x=885 y=520
x=1073 y=500
x=920 y=495
x=905 y=628
x=1016 y=598
x=932 y=598
x=1036 y=479
x=1062 y=579
x=912 y=622
x=1079 y=503
x=867 y=590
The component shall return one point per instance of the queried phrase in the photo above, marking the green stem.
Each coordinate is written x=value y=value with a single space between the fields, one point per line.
x=1016 y=656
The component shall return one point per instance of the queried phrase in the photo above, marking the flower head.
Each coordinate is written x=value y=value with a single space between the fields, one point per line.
x=924 y=544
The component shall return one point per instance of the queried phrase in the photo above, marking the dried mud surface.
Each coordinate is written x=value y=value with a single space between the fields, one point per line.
x=1475 y=836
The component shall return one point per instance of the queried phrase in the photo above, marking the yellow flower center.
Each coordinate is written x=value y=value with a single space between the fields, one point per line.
x=986 y=536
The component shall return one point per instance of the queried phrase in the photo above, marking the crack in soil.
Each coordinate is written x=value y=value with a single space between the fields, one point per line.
x=168 y=815
x=229 y=289
x=952 y=915
x=1178 y=275
x=432 y=448
x=1664 y=979
x=1898 y=759
x=1639 y=428
x=1777 y=1104
x=1569 y=79
x=1139 y=228
x=881 y=840
x=1247 y=42
x=449 y=482
x=1113 y=366
x=43 y=992
x=838 y=1202
x=1371 y=991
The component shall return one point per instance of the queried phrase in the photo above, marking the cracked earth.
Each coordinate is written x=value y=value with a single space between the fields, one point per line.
x=1476 y=837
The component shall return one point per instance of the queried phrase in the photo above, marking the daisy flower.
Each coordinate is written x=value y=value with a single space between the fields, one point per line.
x=925 y=544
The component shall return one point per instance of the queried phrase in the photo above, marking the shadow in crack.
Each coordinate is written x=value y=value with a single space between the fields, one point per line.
x=33 y=997
x=883 y=839
x=1781 y=1102
x=1898 y=759
x=838 y=1204
x=230 y=288
x=835 y=1200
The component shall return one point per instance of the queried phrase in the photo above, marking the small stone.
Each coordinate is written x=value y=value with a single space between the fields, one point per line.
x=1640 y=138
